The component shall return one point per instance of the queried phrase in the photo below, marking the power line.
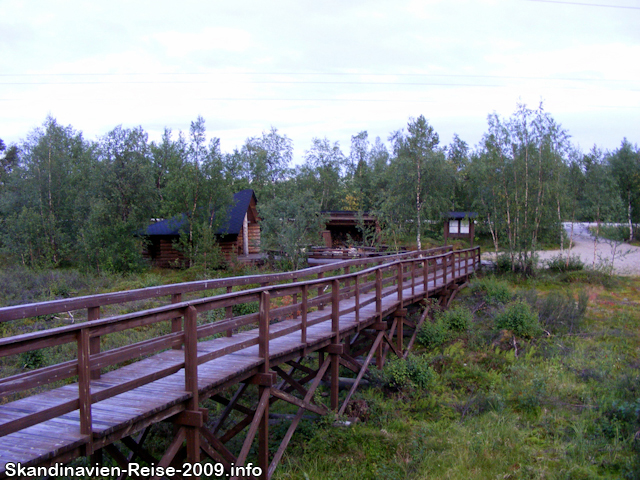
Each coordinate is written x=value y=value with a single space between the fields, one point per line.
x=254 y=82
x=587 y=4
x=437 y=75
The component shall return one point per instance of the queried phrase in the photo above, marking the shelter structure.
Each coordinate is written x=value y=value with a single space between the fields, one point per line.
x=344 y=225
x=239 y=237
x=459 y=225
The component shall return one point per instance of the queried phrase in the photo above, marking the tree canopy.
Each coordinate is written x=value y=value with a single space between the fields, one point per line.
x=68 y=200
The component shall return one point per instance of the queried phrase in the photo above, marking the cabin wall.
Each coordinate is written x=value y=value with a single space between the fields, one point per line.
x=254 y=238
x=161 y=253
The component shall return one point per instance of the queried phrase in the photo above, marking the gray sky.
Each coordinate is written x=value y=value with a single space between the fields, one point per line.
x=331 y=68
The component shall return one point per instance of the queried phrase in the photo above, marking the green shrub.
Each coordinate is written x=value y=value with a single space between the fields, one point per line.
x=559 y=263
x=495 y=291
x=412 y=372
x=433 y=334
x=31 y=360
x=504 y=263
x=245 y=308
x=458 y=318
x=520 y=319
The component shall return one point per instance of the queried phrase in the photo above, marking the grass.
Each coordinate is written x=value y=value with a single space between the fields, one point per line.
x=563 y=404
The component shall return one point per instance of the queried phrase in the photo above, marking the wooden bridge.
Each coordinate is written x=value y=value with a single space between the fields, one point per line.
x=307 y=328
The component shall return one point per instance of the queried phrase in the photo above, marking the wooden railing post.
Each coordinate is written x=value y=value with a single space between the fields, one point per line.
x=84 y=387
x=445 y=263
x=335 y=357
x=303 y=329
x=399 y=275
x=176 y=323
x=357 y=295
x=347 y=271
x=191 y=379
x=263 y=329
x=456 y=264
x=425 y=275
x=413 y=278
x=295 y=298
x=320 y=289
x=93 y=313
x=229 y=312
x=379 y=295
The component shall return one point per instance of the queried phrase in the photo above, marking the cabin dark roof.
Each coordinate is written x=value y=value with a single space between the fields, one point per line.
x=233 y=225
x=459 y=215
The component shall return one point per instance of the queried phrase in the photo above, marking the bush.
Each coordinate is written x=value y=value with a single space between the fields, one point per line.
x=414 y=371
x=519 y=319
x=565 y=264
x=245 y=308
x=495 y=291
x=504 y=263
x=433 y=334
x=458 y=318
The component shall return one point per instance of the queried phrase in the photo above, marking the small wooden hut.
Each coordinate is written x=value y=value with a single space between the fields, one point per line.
x=239 y=237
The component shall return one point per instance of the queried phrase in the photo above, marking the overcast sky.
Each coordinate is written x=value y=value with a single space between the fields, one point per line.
x=321 y=68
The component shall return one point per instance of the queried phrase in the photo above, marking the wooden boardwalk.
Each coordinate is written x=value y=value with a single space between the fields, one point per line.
x=111 y=400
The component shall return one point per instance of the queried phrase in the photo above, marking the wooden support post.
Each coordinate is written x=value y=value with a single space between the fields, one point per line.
x=320 y=289
x=191 y=380
x=347 y=271
x=307 y=399
x=93 y=313
x=84 y=387
x=263 y=435
x=264 y=391
x=400 y=314
x=176 y=323
x=229 y=312
x=335 y=328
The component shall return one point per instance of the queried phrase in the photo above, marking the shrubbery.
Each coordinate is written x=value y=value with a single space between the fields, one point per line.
x=412 y=372
x=433 y=334
x=446 y=324
x=519 y=319
x=458 y=318
x=565 y=264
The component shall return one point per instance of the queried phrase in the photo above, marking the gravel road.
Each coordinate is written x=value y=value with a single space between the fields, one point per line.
x=627 y=257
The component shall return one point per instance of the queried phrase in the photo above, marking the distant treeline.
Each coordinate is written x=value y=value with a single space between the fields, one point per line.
x=66 y=200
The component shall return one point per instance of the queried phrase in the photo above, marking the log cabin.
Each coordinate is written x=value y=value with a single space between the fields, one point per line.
x=239 y=237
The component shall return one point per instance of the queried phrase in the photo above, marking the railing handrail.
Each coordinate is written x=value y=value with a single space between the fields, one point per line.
x=16 y=312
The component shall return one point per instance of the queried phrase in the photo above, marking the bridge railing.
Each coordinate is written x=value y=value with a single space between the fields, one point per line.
x=273 y=321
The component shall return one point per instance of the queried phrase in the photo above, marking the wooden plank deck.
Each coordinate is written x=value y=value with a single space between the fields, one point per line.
x=166 y=396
